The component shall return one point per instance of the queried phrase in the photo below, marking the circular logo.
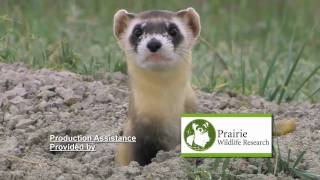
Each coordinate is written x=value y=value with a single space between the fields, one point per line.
x=199 y=135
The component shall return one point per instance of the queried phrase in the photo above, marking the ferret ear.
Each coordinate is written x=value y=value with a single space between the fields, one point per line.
x=192 y=19
x=120 y=22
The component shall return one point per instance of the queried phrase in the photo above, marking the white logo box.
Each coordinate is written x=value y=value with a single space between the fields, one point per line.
x=256 y=140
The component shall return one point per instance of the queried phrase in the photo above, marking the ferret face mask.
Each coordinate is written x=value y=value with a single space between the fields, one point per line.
x=157 y=40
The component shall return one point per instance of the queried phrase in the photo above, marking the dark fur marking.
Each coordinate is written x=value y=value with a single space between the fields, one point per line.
x=134 y=40
x=149 y=141
x=177 y=39
x=156 y=28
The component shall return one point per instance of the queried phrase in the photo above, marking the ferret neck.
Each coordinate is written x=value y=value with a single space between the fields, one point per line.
x=159 y=93
x=178 y=76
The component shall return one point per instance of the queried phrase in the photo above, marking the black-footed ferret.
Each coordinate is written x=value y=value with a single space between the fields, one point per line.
x=158 y=46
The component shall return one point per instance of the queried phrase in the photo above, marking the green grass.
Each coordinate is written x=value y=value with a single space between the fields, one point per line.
x=268 y=48
x=288 y=165
x=247 y=46
x=220 y=167
x=217 y=170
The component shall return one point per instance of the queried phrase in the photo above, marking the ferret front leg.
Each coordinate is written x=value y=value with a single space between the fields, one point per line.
x=125 y=151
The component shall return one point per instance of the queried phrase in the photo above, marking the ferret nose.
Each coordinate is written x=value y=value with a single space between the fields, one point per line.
x=154 y=45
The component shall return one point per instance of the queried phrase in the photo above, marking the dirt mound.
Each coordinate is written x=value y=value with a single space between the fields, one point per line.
x=36 y=104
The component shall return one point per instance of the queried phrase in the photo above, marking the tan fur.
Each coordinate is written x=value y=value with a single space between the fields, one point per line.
x=151 y=101
x=160 y=93
x=124 y=153
x=157 y=97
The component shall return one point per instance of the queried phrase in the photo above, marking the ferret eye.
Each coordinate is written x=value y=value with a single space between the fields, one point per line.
x=173 y=31
x=137 y=32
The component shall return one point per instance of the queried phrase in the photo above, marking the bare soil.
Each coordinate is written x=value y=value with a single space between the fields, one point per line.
x=37 y=103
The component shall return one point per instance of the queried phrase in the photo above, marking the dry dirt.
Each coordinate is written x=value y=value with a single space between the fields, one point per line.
x=37 y=103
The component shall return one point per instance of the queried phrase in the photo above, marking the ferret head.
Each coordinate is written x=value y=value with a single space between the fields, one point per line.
x=157 y=39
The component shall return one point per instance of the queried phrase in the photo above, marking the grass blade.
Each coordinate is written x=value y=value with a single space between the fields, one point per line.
x=275 y=93
x=202 y=174
x=216 y=163
x=299 y=159
x=305 y=81
x=225 y=166
x=221 y=60
x=243 y=73
x=212 y=80
x=269 y=165
x=287 y=81
x=305 y=175
x=314 y=93
x=288 y=160
x=268 y=75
